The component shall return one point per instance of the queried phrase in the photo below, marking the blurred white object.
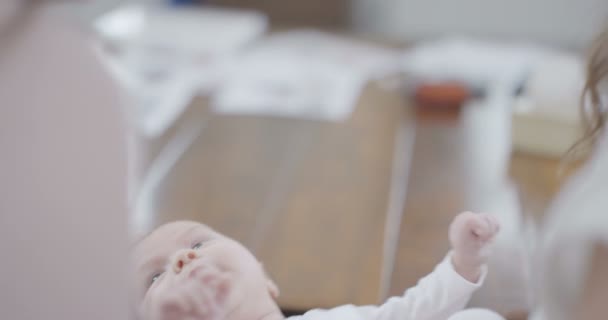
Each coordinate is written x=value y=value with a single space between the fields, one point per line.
x=304 y=74
x=200 y=30
x=123 y=24
x=546 y=121
x=486 y=132
x=165 y=56
x=160 y=84
x=474 y=62
x=145 y=201
x=366 y=59
x=275 y=83
x=476 y=314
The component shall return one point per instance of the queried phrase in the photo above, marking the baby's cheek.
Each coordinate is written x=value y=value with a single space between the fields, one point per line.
x=145 y=307
x=155 y=296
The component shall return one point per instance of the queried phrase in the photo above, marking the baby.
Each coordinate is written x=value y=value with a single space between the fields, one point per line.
x=187 y=271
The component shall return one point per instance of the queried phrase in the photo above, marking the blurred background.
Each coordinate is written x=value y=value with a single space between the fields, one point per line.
x=337 y=139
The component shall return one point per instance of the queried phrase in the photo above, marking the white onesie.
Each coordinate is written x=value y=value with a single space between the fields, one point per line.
x=437 y=296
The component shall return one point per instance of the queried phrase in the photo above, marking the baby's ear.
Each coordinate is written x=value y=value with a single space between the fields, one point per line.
x=273 y=289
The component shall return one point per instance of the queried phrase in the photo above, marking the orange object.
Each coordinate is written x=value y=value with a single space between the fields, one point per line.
x=444 y=95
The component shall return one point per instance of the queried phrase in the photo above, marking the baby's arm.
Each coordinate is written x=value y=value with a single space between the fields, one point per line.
x=444 y=291
x=450 y=286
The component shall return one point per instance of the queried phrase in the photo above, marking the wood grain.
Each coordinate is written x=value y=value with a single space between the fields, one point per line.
x=308 y=197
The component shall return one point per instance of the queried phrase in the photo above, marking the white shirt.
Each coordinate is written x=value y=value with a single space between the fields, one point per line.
x=576 y=221
x=436 y=297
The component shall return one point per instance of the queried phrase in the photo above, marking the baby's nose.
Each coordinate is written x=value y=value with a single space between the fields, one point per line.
x=182 y=258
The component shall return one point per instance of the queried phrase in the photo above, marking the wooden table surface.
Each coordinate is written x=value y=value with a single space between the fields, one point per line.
x=309 y=198
x=338 y=212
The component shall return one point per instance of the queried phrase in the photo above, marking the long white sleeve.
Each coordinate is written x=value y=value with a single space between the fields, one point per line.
x=436 y=297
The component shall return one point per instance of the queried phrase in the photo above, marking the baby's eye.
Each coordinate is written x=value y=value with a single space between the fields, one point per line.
x=155 y=277
x=197 y=245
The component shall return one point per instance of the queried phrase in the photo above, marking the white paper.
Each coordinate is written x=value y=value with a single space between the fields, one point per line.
x=302 y=74
x=369 y=60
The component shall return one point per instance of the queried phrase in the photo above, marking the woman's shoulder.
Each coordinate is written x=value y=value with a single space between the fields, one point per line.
x=581 y=207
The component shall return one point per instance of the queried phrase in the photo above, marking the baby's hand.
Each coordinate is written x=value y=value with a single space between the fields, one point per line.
x=201 y=297
x=470 y=233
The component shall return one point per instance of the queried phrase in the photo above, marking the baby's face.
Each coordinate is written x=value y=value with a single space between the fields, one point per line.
x=189 y=261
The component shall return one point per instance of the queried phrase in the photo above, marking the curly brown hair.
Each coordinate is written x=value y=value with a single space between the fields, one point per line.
x=593 y=111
